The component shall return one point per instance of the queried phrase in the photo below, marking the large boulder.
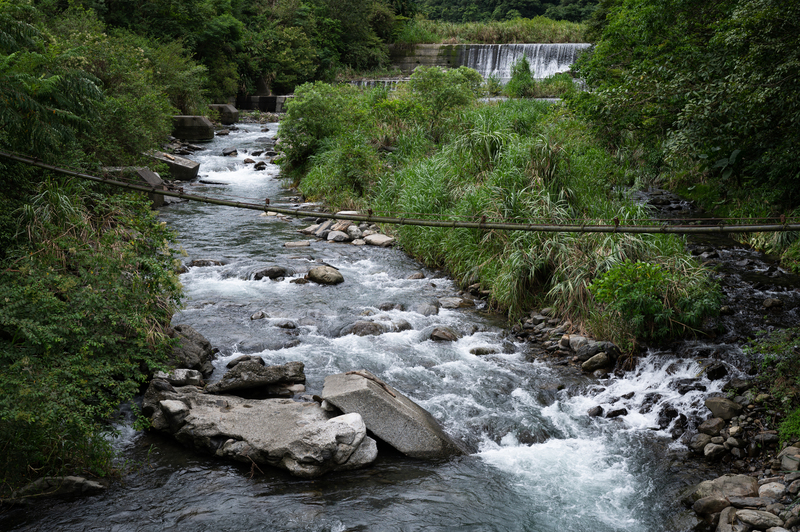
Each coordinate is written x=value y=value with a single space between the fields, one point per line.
x=390 y=415
x=379 y=240
x=600 y=360
x=758 y=519
x=252 y=378
x=790 y=458
x=301 y=438
x=192 y=351
x=726 y=486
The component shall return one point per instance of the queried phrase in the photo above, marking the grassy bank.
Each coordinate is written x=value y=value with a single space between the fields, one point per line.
x=520 y=30
x=429 y=149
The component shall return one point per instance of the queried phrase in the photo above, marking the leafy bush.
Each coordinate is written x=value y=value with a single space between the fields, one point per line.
x=344 y=173
x=655 y=302
x=81 y=310
x=317 y=111
x=521 y=84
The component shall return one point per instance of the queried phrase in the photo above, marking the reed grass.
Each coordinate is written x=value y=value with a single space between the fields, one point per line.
x=520 y=30
x=515 y=161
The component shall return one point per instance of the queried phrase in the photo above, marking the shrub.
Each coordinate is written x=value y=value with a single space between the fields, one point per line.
x=343 y=173
x=656 y=303
x=81 y=311
x=789 y=428
x=317 y=111
x=521 y=84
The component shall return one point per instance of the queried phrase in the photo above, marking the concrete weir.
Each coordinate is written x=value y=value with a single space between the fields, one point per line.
x=181 y=168
x=188 y=127
x=228 y=114
x=546 y=59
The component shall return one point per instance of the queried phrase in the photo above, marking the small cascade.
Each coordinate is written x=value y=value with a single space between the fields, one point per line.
x=497 y=59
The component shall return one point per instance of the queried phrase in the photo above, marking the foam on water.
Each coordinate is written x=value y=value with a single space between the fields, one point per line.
x=540 y=462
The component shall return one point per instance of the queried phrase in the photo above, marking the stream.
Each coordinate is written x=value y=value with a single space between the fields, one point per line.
x=538 y=461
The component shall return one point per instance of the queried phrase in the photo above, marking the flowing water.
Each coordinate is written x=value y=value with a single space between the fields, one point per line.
x=538 y=462
x=497 y=59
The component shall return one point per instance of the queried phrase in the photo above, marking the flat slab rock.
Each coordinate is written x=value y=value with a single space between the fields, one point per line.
x=390 y=415
x=301 y=438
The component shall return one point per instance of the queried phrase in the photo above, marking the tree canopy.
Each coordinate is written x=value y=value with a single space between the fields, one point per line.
x=710 y=81
x=485 y=10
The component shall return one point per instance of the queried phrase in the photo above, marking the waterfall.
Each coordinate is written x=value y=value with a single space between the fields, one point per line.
x=497 y=59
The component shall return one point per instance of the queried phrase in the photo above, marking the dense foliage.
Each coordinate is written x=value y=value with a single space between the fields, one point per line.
x=487 y=10
x=709 y=89
x=777 y=353
x=87 y=280
x=656 y=302
x=518 y=30
x=428 y=149
x=252 y=46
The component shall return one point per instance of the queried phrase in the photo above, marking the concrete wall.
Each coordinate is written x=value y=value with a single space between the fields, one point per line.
x=407 y=58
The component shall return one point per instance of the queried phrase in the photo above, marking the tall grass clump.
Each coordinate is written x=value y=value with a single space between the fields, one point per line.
x=427 y=150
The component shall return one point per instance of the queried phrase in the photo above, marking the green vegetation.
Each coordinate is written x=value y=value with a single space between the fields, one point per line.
x=778 y=354
x=703 y=93
x=429 y=149
x=87 y=279
x=655 y=301
x=518 y=30
x=495 y=10
x=523 y=85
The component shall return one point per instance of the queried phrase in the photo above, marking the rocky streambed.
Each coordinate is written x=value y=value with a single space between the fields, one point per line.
x=543 y=428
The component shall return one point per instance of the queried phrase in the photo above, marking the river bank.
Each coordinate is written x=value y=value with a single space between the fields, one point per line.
x=540 y=463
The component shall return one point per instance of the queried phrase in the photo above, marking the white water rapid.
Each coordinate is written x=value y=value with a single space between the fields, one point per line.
x=539 y=462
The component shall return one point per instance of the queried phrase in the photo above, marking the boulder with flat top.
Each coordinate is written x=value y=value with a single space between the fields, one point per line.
x=390 y=415
x=301 y=438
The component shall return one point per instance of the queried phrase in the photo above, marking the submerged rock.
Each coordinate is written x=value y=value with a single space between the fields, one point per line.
x=60 y=486
x=390 y=415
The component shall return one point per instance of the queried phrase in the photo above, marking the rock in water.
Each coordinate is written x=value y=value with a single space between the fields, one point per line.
x=252 y=375
x=325 y=275
x=193 y=350
x=389 y=415
x=302 y=438
x=723 y=408
x=443 y=334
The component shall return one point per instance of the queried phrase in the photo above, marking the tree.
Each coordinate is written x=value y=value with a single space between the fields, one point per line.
x=707 y=79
